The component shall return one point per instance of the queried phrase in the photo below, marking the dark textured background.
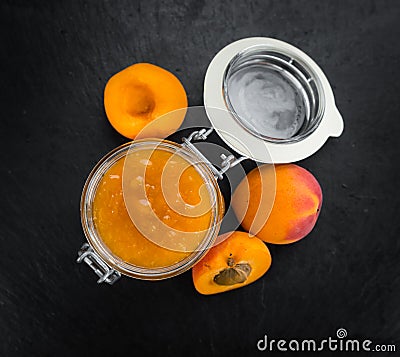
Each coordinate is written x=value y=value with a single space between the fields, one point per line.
x=56 y=57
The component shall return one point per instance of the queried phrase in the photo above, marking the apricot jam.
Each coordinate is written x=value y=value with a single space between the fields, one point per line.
x=151 y=208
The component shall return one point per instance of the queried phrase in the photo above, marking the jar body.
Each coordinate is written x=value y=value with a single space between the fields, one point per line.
x=108 y=255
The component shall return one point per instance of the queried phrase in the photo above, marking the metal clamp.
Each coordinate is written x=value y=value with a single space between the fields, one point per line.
x=103 y=271
x=227 y=161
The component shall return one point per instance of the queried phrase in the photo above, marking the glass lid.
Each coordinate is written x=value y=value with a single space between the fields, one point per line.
x=274 y=94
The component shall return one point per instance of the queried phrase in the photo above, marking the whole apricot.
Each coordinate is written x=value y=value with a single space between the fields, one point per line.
x=294 y=211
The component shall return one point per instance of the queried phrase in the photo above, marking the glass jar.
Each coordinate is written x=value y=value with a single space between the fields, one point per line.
x=99 y=256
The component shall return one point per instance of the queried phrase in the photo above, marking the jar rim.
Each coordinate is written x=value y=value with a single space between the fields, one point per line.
x=101 y=248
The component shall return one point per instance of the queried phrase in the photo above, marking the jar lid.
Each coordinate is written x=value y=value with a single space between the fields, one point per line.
x=278 y=106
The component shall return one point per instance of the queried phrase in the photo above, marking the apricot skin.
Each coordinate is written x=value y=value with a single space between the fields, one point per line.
x=295 y=209
x=138 y=95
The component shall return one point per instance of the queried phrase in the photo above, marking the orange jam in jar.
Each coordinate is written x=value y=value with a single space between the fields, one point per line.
x=151 y=209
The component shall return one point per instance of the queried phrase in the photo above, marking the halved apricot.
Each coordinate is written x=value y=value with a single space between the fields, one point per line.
x=236 y=262
x=141 y=93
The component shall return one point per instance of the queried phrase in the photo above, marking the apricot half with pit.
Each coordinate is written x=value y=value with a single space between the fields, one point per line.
x=141 y=93
x=237 y=261
x=295 y=209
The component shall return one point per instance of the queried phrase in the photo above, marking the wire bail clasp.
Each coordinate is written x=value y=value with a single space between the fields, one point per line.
x=103 y=271
x=227 y=161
